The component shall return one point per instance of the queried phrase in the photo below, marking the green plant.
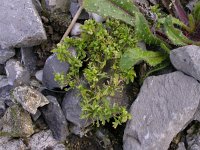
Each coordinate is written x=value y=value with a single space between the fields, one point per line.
x=178 y=32
x=98 y=69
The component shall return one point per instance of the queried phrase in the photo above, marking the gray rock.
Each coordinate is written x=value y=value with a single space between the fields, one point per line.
x=193 y=141
x=53 y=5
x=44 y=140
x=5 y=54
x=52 y=66
x=55 y=119
x=163 y=107
x=36 y=115
x=74 y=6
x=2 y=108
x=76 y=30
x=29 y=59
x=72 y=111
x=38 y=6
x=29 y=98
x=186 y=59
x=11 y=144
x=3 y=81
x=5 y=90
x=17 y=122
x=20 y=24
x=16 y=73
x=181 y=146
x=39 y=75
x=97 y=18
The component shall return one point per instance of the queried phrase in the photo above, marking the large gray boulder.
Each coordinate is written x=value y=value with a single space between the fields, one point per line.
x=55 y=119
x=29 y=98
x=52 y=66
x=20 y=24
x=164 y=106
x=43 y=141
x=187 y=60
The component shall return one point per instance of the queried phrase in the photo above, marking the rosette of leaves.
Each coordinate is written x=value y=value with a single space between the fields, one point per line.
x=100 y=59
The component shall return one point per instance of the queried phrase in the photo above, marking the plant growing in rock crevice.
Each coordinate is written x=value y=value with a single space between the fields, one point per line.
x=176 y=32
x=99 y=58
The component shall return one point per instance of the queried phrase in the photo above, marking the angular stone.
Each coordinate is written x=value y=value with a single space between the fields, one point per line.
x=16 y=73
x=29 y=98
x=55 y=119
x=39 y=75
x=74 y=6
x=53 y=5
x=164 y=106
x=2 y=108
x=52 y=66
x=187 y=60
x=11 y=144
x=17 y=122
x=43 y=141
x=29 y=59
x=72 y=111
x=181 y=146
x=5 y=54
x=20 y=24
x=5 y=91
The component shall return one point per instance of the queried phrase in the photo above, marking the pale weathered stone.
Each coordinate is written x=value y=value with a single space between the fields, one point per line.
x=44 y=140
x=29 y=98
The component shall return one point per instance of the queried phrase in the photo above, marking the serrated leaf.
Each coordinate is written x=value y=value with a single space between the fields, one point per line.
x=174 y=34
x=133 y=56
x=119 y=9
x=143 y=31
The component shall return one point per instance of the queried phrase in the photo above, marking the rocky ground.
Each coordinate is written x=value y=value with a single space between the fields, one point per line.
x=35 y=114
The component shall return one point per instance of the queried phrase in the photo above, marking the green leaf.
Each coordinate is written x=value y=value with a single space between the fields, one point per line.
x=119 y=9
x=143 y=31
x=174 y=34
x=133 y=56
x=196 y=12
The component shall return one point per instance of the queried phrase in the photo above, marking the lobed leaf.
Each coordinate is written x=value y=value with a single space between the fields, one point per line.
x=135 y=55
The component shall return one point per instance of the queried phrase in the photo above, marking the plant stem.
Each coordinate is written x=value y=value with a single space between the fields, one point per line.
x=72 y=23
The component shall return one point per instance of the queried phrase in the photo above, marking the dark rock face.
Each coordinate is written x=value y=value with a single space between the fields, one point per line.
x=163 y=107
x=187 y=60
x=55 y=119
x=20 y=24
x=29 y=59
x=52 y=66
x=16 y=73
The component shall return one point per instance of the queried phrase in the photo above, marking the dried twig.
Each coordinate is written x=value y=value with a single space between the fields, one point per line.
x=72 y=23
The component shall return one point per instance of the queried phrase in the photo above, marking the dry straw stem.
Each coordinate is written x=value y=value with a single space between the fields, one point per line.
x=72 y=23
